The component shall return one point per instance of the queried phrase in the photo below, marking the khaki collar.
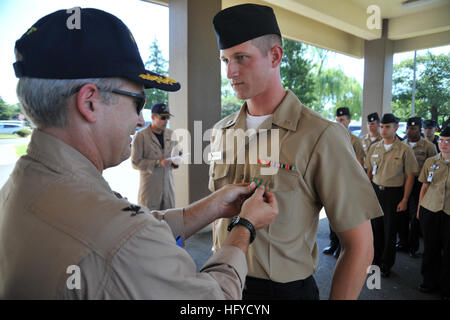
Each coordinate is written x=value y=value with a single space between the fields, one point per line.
x=60 y=157
x=286 y=115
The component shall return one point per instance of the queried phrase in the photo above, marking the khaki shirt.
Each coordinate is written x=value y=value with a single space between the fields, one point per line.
x=57 y=211
x=422 y=150
x=390 y=168
x=321 y=163
x=437 y=197
x=156 y=187
x=367 y=143
x=357 y=146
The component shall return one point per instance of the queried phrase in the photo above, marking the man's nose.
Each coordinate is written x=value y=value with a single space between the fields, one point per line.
x=232 y=70
x=141 y=121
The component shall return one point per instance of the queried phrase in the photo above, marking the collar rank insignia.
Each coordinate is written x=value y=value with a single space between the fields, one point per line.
x=136 y=210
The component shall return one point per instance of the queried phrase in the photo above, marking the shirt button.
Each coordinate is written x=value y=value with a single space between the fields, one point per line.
x=242 y=177
x=271 y=185
x=212 y=175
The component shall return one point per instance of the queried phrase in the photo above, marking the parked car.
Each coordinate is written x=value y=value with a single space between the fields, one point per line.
x=11 y=127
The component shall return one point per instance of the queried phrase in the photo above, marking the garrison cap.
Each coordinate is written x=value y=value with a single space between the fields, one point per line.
x=238 y=24
x=389 y=118
x=161 y=109
x=445 y=132
x=373 y=117
x=427 y=124
x=414 y=121
x=84 y=43
x=344 y=111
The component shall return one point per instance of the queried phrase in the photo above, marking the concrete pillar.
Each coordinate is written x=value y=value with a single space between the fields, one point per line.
x=378 y=66
x=195 y=63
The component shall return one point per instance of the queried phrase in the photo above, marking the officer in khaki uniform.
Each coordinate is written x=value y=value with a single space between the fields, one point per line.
x=429 y=131
x=373 y=136
x=343 y=116
x=64 y=233
x=153 y=147
x=409 y=231
x=391 y=166
x=295 y=153
x=434 y=215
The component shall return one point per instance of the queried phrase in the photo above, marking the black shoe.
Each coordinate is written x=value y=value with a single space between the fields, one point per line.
x=337 y=252
x=330 y=249
x=402 y=247
x=385 y=272
x=427 y=289
x=413 y=254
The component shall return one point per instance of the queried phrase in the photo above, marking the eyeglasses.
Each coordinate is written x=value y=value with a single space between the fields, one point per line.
x=164 y=117
x=140 y=98
x=447 y=141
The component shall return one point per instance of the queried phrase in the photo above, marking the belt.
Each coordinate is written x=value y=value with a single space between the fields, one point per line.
x=382 y=188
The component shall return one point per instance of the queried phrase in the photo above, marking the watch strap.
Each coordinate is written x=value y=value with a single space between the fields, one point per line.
x=243 y=222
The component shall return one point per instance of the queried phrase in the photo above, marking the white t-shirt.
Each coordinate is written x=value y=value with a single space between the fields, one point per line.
x=253 y=122
x=373 y=139
x=412 y=144
x=387 y=146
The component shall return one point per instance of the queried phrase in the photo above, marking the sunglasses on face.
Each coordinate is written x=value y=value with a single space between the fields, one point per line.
x=164 y=118
x=139 y=98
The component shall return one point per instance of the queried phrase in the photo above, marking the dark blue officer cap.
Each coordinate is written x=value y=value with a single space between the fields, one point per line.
x=342 y=111
x=389 y=118
x=414 y=121
x=101 y=46
x=445 y=132
x=238 y=24
x=373 y=117
x=161 y=109
x=427 y=124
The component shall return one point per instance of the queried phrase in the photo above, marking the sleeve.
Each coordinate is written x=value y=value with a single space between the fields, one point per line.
x=367 y=162
x=359 y=150
x=137 y=155
x=423 y=176
x=341 y=183
x=411 y=165
x=151 y=266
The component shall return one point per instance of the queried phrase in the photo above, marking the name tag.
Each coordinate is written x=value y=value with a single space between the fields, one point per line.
x=212 y=156
x=375 y=156
x=374 y=168
x=430 y=176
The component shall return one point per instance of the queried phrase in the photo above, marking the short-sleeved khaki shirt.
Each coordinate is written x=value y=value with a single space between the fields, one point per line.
x=367 y=142
x=422 y=150
x=390 y=168
x=317 y=162
x=357 y=146
x=437 y=197
x=57 y=214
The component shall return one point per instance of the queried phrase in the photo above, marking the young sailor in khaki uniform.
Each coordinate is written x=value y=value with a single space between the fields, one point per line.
x=152 y=149
x=429 y=131
x=409 y=231
x=64 y=233
x=343 y=116
x=373 y=136
x=391 y=166
x=312 y=158
x=434 y=215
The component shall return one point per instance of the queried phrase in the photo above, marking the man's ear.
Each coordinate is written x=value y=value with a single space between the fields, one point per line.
x=276 y=54
x=87 y=102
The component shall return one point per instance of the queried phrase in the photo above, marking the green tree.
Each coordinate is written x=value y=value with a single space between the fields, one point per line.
x=230 y=103
x=7 y=111
x=158 y=64
x=296 y=72
x=432 y=99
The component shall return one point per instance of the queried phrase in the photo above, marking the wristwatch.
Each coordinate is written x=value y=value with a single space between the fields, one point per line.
x=243 y=222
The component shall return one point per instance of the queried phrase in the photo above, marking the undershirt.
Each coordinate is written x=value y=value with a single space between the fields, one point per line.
x=387 y=146
x=160 y=137
x=253 y=122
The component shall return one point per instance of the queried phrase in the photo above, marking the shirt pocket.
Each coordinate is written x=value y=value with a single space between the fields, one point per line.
x=285 y=180
x=218 y=173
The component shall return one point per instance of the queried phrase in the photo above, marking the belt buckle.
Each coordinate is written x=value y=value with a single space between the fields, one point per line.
x=381 y=188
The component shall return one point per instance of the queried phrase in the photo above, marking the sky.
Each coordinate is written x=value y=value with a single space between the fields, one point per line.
x=146 y=21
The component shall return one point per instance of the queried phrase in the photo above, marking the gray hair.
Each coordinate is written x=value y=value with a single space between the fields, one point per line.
x=267 y=42
x=45 y=101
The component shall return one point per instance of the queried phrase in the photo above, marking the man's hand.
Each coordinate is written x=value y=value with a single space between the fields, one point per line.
x=165 y=163
x=402 y=205
x=260 y=209
x=230 y=198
